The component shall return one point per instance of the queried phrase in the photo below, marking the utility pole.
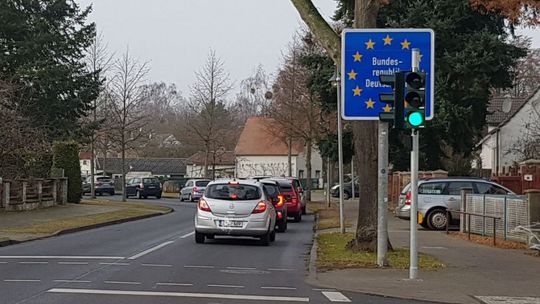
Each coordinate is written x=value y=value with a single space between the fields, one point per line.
x=382 y=196
x=328 y=181
x=413 y=268
x=337 y=83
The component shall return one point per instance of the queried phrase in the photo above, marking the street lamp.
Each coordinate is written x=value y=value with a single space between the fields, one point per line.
x=336 y=82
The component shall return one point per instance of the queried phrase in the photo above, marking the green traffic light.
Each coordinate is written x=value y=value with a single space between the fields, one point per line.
x=415 y=119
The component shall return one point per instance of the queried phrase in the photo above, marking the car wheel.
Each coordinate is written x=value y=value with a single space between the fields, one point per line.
x=265 y=239
x=199 y=237
x=437 y=219
x=282 y=225
x=158 y=196
x=346 y=195
x=273 y=236
x=298 y=217
x=111 y=193
x=139 y=194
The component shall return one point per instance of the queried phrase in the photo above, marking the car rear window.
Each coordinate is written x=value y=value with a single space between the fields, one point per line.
x=233 y=192
x=272 y=190
x=150 y=180
x=285 y=186
x=431 y=188
x=201 y=183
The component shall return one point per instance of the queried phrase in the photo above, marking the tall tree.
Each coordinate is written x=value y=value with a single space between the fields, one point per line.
x=42 y=46
x=253 y=98
x=125 y=95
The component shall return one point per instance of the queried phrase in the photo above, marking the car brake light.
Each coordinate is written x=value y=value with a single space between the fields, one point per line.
x=195 y=189
x=408 y=198
x=281 y=200
x=234 y=183
x=260 y=208
x=203 y=205
x=279 y=215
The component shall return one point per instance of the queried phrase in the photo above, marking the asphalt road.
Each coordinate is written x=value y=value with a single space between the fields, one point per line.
x=156 y=260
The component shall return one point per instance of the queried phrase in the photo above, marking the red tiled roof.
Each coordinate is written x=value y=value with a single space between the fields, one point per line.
x=261 y=136
x=85 y=155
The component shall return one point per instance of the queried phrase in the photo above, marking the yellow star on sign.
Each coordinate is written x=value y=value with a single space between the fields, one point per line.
x=387 y=108
x=352 y=74
x=370 y=44
x=405 y=44
x=370 y=104
x=387 y=40
x=357 y=56
x=357 y=91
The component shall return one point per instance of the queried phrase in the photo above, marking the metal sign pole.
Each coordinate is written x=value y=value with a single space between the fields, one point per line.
x=413 y=269
x=382 y=226
x=340 y=153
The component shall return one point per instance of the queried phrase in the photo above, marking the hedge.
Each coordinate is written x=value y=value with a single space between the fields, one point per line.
x=66 y=157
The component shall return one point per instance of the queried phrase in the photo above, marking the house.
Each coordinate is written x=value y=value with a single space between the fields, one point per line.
x=509 y=122
x=260 y=151
x=223 y=162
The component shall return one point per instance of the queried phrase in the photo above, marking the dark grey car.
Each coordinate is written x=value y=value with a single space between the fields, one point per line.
x=193 y=190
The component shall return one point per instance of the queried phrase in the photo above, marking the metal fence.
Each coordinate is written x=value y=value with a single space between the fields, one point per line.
x=512 y=209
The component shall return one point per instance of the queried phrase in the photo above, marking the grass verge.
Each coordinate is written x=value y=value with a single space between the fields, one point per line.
x=105 y=202
x=332 y=254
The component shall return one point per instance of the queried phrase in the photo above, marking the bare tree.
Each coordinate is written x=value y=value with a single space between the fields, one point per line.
x=125 y=94
x=254 y=95
x=98 y=62
x=208 y=119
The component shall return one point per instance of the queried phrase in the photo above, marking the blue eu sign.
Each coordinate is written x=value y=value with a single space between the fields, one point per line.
x=369 y=53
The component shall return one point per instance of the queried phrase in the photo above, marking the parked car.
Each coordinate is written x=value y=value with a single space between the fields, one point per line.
x=278 y=200
x=102 y=184
x=294 y=198
x=193 y=190
x=435 y=196
x=347 y=190
x=235 y=208
x=143 y=187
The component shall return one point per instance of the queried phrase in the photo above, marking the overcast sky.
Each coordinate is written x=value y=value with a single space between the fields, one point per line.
x=175 y=36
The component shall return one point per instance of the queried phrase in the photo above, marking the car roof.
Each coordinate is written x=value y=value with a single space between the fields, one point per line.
x=453 y=178
x=240 y=181
x=269 y=182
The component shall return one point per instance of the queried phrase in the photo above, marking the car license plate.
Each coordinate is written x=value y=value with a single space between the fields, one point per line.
x=228 y=223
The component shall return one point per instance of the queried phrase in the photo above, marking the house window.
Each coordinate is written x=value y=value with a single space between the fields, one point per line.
x=85 y=162
x=301 y=174
x=317 y=174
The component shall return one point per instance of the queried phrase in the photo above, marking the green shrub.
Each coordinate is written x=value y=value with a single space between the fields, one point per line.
x=66 y=157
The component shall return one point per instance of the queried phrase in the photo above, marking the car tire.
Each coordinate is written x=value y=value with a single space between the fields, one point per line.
x=282 y=225
x=199 y=237
x=298 y=217
x=139 y=194
x=437 y=219
x=158 y=196
x=111 y=193
x=273 y=235
x=264 y=240
x=346 y=195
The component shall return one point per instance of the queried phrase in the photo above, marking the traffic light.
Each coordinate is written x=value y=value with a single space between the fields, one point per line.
x=394 y=99
x=415 y=99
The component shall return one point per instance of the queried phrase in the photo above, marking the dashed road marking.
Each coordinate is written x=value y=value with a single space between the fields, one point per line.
x=66 y=257
x=156 y=265
x=71 y=281
x=335 y=296
x=3 y=262
x=281 y=269
x=178 y=295
x=33 y=263
x=73 y=263
x=115 y=264
x=322 y=289
x=187 y=235
x=199 y=266
x=122 y=282
x=241 y=268
x=174 y=284
x=225 y=286
x=23 y=281
x=278 y=288
x=149 y=250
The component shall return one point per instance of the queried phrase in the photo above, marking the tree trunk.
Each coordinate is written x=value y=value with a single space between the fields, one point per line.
x=365 y=144
x=308 y=169
x=123 y=181
x=289 y=156
x=205 y=169
x=92 y=169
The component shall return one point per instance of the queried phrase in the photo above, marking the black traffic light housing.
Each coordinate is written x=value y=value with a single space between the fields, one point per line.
x=395 y=99
x=415 y=99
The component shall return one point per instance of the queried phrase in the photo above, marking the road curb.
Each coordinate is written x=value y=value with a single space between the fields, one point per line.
x=88 y=227
x=312 y=265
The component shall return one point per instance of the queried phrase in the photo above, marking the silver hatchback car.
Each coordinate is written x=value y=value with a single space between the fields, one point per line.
x=235 y=208
x=435 y=196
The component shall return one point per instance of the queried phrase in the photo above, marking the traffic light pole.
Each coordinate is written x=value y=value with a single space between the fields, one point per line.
x=413 y=268
x=382 y=196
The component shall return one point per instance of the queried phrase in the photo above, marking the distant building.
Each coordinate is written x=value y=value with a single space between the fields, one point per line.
x=223 y=164
x=260 y=151
x=166 y=167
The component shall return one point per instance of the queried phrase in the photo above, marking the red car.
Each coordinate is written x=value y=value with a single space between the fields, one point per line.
x=294 y=197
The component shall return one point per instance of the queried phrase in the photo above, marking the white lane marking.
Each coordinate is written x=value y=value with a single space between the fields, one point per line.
x=73 y=263
x=115 y=264
x=281 y=269
x=323 y=289
x=187 y=235
x=198 y=266
x=156 y=265
x=32 y=263
x=3 y=262
x=278 y=288
x=44 y=257
x=71 y=281
x=242 y=268
x=149 y=250
x=178 y=294
x=122 y=282
x=16 y=280
x=174 y=284
x=335 y=296
x=225 y=286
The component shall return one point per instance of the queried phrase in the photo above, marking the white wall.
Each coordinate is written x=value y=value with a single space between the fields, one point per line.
x=247 y=166
x=196 y=171
x=316 y=164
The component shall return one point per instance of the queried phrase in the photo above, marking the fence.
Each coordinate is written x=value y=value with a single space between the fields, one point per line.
x=511 y=209
x=29 y=194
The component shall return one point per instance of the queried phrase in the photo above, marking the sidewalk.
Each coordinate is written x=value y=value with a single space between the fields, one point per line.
x=472 y=270
x=24 y=226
